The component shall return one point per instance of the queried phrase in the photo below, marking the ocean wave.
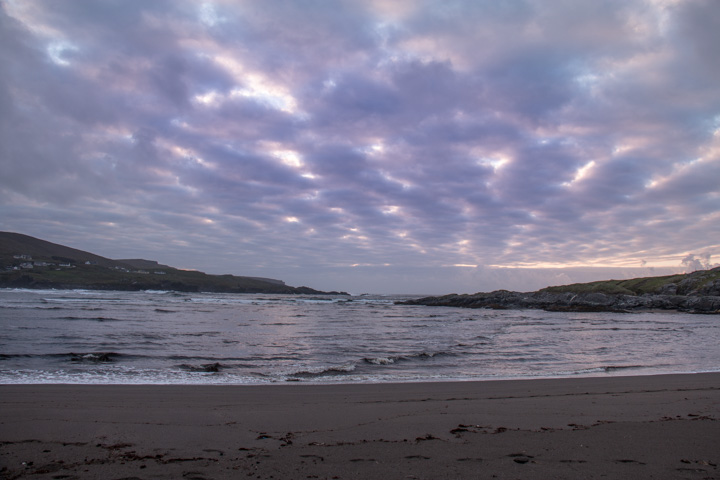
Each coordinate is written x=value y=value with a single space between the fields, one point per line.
x=275 y=300
x=615 y=368
x=199 y=334
x=94 y=319
x=75 y=357
x=78 y=300
x=425 y=355
x=80 y=357
x=606 y=369
x=198 y=358
x=382 y=360
x=323 y=372
x=119 y=375
x=228 y=300
x=367 y=301
x=315 y=300
x=204 y=368
x=39 y=291
x=389 y=360
x=94 y=357
x=8 y=356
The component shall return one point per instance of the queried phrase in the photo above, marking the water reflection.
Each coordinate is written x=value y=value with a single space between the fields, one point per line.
x=171 y=337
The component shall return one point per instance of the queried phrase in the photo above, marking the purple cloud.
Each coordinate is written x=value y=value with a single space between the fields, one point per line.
x=360 y=141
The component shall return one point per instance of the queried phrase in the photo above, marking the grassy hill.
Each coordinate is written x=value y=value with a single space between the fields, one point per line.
x=28 y=262
x=701 y=282
x=12 y=244
x=696 y=292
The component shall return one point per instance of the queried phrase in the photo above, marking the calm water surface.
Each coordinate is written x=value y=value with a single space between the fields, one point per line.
x=75 y=336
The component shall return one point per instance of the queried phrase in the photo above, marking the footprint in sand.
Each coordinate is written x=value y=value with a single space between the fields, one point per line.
x=313 y=457
x=521 y=457
x=212 y=450
x=194 y=476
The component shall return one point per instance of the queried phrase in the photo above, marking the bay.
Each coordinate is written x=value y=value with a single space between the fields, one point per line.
x=155 y=337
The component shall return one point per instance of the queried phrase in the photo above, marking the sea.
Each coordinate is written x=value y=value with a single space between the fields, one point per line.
x=164 y=337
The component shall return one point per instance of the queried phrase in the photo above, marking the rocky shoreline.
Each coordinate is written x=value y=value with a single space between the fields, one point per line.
x=576 y=302
x=128 y=283
x=696 y=292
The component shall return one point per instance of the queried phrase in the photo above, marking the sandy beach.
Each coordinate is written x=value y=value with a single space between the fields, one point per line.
x=664 y=426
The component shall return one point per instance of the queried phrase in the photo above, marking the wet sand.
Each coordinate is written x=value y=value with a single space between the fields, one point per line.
x=665 y=426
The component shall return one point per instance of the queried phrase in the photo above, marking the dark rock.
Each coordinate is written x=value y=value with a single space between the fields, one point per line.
x=580 y=302
x=207 y=367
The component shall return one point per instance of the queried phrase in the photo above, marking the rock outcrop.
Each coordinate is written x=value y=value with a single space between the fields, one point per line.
x=697 y=292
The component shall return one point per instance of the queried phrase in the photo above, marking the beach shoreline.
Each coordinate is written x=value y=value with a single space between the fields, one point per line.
x=659 y=426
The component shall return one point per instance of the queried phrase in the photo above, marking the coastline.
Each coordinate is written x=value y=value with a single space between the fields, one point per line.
x=577 y=302
x=664 y=426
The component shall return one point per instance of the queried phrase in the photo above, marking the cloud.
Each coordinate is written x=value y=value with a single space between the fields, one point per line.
x=307 y=138
x=701 y=262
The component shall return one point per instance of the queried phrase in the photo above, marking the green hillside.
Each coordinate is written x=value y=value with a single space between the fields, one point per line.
x=13 y=244
x=701 y=282
x=28 y=262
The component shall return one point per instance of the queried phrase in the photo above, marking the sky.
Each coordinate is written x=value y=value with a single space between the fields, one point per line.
x=385 y=146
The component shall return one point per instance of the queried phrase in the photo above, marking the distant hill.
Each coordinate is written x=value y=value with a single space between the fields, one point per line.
x=29 y=262
x=12 y=244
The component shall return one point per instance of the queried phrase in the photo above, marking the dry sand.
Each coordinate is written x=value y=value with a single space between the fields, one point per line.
x=665 y=426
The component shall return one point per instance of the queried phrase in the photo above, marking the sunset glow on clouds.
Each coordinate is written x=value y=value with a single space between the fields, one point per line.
x=366 y=146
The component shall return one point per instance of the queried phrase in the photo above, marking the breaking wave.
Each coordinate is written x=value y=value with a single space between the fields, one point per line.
x=94 y=357
x=389 y=360
x=323 y=372
x=205 y=368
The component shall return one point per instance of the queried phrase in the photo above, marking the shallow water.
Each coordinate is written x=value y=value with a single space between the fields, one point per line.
x=76 y=336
